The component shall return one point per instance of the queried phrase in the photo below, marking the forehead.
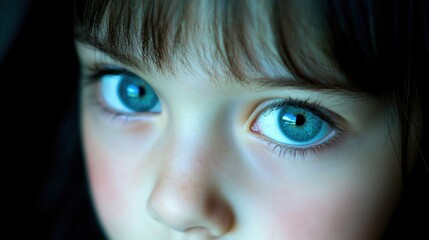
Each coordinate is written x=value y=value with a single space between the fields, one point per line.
x=243 y=39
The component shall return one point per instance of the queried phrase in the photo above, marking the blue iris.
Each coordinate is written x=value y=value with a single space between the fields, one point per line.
x=136 y=94
x=298 y=124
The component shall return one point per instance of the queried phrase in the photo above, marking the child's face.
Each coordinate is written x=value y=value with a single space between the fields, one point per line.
x=192 y=155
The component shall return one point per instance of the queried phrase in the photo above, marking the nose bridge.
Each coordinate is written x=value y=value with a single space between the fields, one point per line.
x=186 y=196
x=189 y=144
x=194 y=137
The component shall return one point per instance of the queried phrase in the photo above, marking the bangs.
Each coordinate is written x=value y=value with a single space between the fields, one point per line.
x=371 y=47
x=351 y=45
x=245 y=37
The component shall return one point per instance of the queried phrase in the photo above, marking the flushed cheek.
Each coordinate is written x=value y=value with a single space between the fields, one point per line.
x=120 y=195
x=345 y=196
x=349 y=210
x=323 y=217
x=108 y=189
x=119 y=176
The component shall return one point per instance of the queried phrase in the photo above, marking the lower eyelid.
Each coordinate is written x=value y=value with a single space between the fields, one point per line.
x=284 y=151
x=328 y=143
x=92 y=101
x=107 y=114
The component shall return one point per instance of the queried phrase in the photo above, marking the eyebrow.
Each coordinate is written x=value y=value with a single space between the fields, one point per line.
x=335 y=84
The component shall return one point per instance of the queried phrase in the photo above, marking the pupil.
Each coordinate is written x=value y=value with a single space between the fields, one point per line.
x=135 y=91
x=142 y=91
x=300 y=120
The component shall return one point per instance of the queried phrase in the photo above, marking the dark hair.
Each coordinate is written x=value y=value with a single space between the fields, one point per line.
x=380 y=47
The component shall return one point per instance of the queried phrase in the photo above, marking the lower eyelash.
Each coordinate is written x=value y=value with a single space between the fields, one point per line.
x=122 y=117
x=112 y=116
x=106 y=113
x=283 y=150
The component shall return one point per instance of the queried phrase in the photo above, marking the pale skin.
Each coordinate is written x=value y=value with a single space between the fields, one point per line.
x=204 y=168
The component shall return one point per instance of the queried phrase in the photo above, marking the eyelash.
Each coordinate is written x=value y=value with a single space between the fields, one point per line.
x=95 y=73
x=107 y=113
x=315 y=108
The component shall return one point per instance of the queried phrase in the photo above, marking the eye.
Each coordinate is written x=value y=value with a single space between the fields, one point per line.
x=294 y=124
x=125 y=92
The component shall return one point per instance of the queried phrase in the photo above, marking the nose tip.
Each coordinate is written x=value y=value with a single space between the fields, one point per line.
x=190 y=209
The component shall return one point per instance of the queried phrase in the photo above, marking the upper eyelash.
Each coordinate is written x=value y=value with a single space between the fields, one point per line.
x=311 y=106
x=97 y=72
x=94 y=75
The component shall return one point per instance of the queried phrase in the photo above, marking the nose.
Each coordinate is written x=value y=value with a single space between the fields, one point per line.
x=186 y=197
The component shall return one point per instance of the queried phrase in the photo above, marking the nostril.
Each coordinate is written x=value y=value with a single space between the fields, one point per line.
x=201 y=231
x=188 y=200
x=220 y=214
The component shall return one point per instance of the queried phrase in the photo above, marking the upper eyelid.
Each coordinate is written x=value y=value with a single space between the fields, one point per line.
x=316 y=107
x=94 y=73
x=98 y=69
x=108 y=71
x=252 y=82
x=283 y=149
x=350 y=97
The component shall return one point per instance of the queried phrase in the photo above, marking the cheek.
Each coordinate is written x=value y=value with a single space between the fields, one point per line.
x=108 y=183
x=329 y=199
x=120 y=174
x=307 y=218
x=343 y=214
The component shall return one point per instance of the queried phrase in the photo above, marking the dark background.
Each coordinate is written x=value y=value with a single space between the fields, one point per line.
x=46 y=199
